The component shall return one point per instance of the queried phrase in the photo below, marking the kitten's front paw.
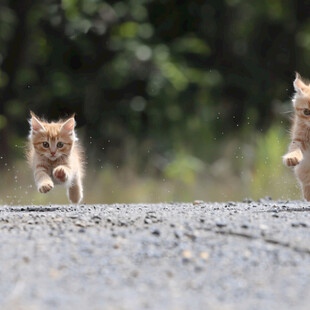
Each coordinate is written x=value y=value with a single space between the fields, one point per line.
x=45 y=187
x=60 y=174
x=291 y=160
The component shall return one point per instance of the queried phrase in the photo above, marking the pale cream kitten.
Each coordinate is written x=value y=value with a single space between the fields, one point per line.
x=55 y=156
x=298 y=155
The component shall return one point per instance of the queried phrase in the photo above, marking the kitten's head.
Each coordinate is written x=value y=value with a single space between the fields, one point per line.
x=52 y=140
x=301 y=99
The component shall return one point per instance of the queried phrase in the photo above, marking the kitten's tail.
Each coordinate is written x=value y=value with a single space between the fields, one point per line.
x=75 y=191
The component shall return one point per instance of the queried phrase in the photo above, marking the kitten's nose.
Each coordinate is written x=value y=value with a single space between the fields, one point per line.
x=53 y=153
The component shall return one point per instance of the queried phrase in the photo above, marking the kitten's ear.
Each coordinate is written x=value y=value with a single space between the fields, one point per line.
x=68 y=125
x=36 y=125
x=299 y=85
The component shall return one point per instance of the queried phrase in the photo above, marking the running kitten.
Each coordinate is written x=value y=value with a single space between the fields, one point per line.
x=298 y=155
x=55 y=156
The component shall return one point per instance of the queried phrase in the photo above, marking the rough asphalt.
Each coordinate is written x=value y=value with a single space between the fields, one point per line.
x=250 y=255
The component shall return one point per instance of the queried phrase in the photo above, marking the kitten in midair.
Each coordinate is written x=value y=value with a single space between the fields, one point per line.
x=55 y=156
x=298 y=155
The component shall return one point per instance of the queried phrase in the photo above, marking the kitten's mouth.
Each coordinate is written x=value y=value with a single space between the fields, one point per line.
x=52 y=157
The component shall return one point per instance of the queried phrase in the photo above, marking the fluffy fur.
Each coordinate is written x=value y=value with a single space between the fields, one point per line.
x=298 y=155
x=55 y=156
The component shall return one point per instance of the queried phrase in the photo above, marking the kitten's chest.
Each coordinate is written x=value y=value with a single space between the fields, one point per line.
x=51 y=165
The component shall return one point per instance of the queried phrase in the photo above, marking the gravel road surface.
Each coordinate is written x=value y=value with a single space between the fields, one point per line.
x=250 y=255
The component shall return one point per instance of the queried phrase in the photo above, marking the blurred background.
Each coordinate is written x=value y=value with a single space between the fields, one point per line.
x=174 y=100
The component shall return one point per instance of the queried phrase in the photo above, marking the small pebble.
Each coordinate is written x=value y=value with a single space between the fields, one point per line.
x=178 y=234
x=204 y=255
x=147 y=221
x=169 y=274
x=220 y=224
x=187 y=254
x=156 y=232
x=198 y=268
x=198 y=202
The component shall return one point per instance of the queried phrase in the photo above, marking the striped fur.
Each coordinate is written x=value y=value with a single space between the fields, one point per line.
x=55 y=156
x=298 y=155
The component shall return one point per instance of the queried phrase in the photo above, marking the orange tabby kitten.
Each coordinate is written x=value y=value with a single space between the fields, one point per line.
x=298 y=155
x=55 y=156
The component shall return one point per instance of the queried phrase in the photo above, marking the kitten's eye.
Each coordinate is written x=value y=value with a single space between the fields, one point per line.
x=306 y=111
x=45 y=144
x=60 y=145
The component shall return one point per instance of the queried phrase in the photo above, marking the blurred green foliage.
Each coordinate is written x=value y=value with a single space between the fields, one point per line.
x=269 y=171
x=174 y=90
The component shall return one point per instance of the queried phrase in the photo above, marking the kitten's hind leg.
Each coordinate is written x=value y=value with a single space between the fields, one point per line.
x=75 y=190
